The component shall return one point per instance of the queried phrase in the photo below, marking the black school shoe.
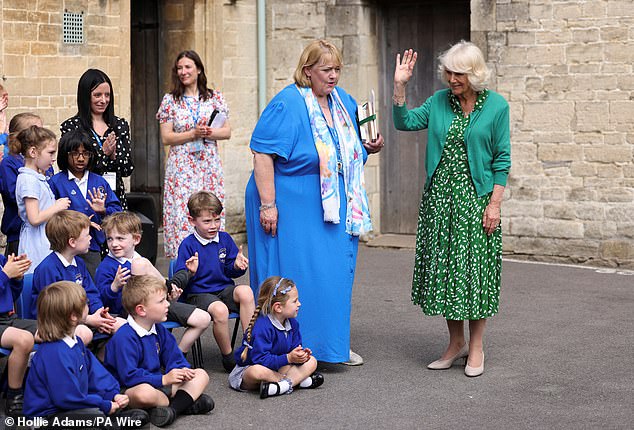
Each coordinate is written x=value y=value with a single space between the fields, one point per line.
x=162 y=416
x=134 y=416
x=14 y=405
x=202 y=405
x=228 y=362
x=318 y=380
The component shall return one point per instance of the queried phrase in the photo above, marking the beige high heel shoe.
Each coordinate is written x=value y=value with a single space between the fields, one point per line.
x=446 y=364
x=475 y=371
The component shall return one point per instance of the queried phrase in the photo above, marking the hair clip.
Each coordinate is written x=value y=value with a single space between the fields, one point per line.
x=245 y=343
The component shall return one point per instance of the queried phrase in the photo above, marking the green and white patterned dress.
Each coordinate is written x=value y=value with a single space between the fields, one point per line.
x=458 y=266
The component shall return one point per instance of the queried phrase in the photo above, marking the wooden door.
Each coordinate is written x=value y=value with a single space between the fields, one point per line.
x=429 y=27
x=146 y=144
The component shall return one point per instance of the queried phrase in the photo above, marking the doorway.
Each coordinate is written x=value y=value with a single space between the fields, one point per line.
x=428 y=27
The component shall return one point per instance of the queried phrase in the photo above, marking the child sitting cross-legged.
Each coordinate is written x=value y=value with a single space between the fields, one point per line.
x=69 y=234
x=66 y=380
x=123 y=233
x=212 y=288
x=144 y=357
x=271 y=357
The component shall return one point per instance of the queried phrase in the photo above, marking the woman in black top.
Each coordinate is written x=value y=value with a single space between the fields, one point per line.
x=110 y=135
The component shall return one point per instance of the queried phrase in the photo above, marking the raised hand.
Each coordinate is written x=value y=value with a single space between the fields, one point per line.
x=404 y=68
x=97 y=200
x=175 y=293
x=16 y=267
x=192 y=263
x=120 y=279
x=241 y=262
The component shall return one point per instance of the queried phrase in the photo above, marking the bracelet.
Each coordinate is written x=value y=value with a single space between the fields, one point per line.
x=267 y=206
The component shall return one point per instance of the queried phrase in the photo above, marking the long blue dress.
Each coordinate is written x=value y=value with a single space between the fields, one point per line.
x=320 y=257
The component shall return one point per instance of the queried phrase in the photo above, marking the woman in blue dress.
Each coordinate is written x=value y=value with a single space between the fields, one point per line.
x=306 y=203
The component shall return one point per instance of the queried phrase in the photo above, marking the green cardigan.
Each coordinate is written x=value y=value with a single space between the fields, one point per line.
x=487 y=137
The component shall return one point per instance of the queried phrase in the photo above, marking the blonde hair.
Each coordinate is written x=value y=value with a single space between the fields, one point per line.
x=18 y=123
x=124 y=222
x=203 y=201
x=56 y=304
x=64 y=226
x=273 y=290
x=465 y=57
x=317 y=52
x=34 y=136
x=137 y=290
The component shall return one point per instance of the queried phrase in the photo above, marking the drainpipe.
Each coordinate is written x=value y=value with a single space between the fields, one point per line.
x=261 y=17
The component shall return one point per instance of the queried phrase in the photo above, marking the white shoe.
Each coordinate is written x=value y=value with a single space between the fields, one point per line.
x=474 y=371
x=354 y=360
x=446 y=364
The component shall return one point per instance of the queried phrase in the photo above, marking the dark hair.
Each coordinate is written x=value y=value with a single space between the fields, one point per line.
x=71 y=141
x=90 y=80
x=177 y=86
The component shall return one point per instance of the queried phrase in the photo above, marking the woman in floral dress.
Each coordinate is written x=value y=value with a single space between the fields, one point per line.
x=458 y=260
x=193 y=163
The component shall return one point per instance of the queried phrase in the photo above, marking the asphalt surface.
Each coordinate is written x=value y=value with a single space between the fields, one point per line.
x=558 y=356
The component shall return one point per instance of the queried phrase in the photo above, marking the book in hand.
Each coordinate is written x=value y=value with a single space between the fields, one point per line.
x=368 y=119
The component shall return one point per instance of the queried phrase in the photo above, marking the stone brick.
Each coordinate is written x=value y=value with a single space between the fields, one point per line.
x=614 y=34
x=552 y=193
x=40 y=48
x=594 y=8
x=50 y=86
x=545 y=54
x=589 y=211
x=18 y=15
x=567 y=10
x=547 y=37
x=560 y=228
x=609 y=171
x=581 y=194
x=587 y=53
x=15 y=47
x=581 y=168
x=524 y=209
x=561 y=152
x=540 y=11
x=555 y=84
x=521 y=38
x=621 y=194
x=609 y=154
x=592 y=116
x=523 y=226
x=620 y=214
x=619 y=52
x=618 y=249
x=585 y=36
x=626 y=230
x=548 y=116
x=512 y=11
x=559 y=210
x=620 y=8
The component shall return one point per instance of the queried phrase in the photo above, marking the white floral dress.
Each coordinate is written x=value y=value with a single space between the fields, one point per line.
x=192 y=166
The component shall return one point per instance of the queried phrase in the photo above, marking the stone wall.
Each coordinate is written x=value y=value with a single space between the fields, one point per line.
x=566 y=69
x=41 y=73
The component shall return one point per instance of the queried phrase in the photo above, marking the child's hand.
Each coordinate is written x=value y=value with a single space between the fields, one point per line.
x=102 y=321
x=114 y=408
x=297 y=356
x=175 y=293
x=122 y=400
x=120 y=279
x=192 y=263
x=97 y=201
x=176 y=376
x=61 y=204
x=94 y=224
x=241 y=262
x=308 y=351
x=15 y=267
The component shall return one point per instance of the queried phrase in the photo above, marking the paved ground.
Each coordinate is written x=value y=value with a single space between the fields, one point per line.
x=558 y=356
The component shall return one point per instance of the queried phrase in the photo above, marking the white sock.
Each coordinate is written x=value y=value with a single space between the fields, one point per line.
x=283 y=384
x=306 y=382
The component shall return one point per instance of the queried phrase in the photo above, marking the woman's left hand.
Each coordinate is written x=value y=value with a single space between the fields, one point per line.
x=110 y=145
x=374 y=146
x=491 y=217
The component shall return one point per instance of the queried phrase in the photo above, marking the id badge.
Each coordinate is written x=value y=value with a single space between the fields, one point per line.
x=111 y=179
x=196 y=146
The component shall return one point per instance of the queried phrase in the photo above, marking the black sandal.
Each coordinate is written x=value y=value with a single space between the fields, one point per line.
x=318 y=380
x=264 y=389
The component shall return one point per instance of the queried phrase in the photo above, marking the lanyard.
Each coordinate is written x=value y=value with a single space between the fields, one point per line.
x=94 y=133
x=195 y=115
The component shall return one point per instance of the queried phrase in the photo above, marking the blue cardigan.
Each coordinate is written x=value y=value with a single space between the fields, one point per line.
x=63 y=379
x=135 y=360
x=10 y=289
x=270 y=344
x=64 y=187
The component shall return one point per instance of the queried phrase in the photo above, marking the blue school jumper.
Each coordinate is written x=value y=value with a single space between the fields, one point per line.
x=63 y=185
x=65 y=376
x=104 y=276
x=136 y=356
x=54 y=268
x=10 y=289
x=215 y=263
x=270 y=342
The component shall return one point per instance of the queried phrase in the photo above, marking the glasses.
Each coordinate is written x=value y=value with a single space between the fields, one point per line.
x=76 y=154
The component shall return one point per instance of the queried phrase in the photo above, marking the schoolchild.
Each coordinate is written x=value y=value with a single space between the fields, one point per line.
x=144 y=357
x=36 y=202
x=65 y=379
x=123 y=233
x=212 y=288
x=69 y=235
x=15 y=334
x=89 y=193
x=271 y=357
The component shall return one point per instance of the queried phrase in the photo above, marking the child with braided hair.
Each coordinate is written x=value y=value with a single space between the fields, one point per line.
x=271 y=357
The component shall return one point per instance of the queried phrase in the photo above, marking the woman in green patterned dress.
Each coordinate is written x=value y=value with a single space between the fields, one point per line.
x=468 y=156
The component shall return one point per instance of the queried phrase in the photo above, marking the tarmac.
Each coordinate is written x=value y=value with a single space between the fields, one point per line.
x=558 y=356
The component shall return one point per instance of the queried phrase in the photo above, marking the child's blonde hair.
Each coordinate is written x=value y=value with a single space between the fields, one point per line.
x=203 y=201
x=18 y=123
x=138 y=289
x=273 y=290
x=64 y=226
x=124 y=222
x=56 y=304
x=34 y=136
